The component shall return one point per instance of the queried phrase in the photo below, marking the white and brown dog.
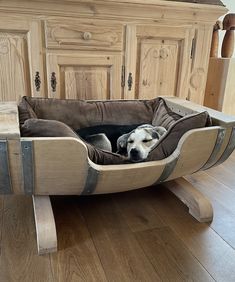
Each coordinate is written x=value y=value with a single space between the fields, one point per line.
x=138 y=143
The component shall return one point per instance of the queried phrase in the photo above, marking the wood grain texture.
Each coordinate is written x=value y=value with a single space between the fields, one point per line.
x=19 y=258
x=45 y=225
x=85 y=76
x=72 y=35
x=220 y=85
x=169 y=256
x=123 y=237
x=77 y=258
x=119 y=252
x=200 y=239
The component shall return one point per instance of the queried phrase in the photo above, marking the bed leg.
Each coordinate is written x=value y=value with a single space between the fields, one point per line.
x=45 y=225
x=199 y=206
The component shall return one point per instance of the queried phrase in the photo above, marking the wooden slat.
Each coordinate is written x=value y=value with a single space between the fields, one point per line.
x=170 y=257
x=19 y=258
x=77 y=258
x=120 y=254
x=45 y=225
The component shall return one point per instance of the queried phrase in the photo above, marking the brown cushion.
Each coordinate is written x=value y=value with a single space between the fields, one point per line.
x=163 y=116
x=169 y=142
x=53 y=128
x=46 y=128
x=78 y=114
x=25 y=111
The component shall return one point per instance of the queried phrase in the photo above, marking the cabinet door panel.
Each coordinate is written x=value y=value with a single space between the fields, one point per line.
x=86 y=82
x=158 y=67
x=85 y=76
x=19 y=62
x=158 y=57
x=14 y=76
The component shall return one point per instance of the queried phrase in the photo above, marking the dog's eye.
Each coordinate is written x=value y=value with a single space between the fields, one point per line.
x=147 y=140
x=130 y=141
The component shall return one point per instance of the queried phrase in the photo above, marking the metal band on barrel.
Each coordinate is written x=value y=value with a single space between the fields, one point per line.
x=91 y=181
x=229 y=149
x=219 y=141
x=167 y=171
x=28 y=166
x=5 y=178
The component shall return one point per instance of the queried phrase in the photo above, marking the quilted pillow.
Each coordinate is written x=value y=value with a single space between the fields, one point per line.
x=169 y=142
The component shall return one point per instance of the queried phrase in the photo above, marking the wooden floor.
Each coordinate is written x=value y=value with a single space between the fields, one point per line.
x=144 y=235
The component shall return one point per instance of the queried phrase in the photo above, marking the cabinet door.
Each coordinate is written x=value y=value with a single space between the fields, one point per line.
x=84 y=76
x=19 y=59
x=158 y=61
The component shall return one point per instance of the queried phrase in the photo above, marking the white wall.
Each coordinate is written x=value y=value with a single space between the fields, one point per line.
x=230 y=4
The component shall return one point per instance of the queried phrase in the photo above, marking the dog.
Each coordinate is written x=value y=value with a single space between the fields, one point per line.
x=138 y=143
x=100 y=136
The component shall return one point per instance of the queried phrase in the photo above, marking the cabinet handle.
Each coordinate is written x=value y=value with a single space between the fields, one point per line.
x=53 y=81
x=37 y=81
x=130 y=81
x=87 y=35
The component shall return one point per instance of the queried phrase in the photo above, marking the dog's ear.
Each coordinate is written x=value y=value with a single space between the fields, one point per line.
x=122 y=144
x=159 y=131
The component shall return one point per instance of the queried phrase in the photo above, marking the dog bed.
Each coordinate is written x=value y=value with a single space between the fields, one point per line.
x=48 y=158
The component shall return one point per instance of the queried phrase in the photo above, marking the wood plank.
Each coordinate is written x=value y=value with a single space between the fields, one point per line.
x=19 y=260
x=217 y=257
x=223 y=175
x=138 y=214
x=170 y=257
x=120 y=253
x=45 y=225
x=76 y=259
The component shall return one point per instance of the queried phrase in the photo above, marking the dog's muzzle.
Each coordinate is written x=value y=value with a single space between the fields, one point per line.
x=135 y=155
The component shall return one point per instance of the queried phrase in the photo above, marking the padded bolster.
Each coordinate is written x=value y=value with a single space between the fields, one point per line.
x=54 y=128
x=46 y=128
x=79 y=114
x=169 y=141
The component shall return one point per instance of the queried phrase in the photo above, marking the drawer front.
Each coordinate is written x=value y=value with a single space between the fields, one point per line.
x=83 y=35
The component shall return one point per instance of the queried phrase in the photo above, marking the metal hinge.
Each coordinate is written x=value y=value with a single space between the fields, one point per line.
x=193 y=48
x=123 y=76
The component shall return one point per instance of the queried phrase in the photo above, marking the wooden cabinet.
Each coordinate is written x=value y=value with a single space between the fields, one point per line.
x=19 y=58
x=105 y=49
x=84 y=76
x=158 y=60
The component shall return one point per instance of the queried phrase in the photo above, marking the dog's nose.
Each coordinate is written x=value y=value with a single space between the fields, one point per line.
x=134 y=152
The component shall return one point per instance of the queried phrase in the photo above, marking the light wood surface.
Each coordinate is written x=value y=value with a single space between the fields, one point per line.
x=10 y=131
x=99 y=43
x=45 y=225
x=85 y=76
x=186 y=107
x=220 y=87
x=156 y=225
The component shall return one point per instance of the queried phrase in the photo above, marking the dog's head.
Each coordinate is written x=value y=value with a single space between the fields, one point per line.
x=138 y=143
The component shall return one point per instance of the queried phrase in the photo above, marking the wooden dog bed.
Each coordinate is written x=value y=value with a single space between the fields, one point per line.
x=43 y=166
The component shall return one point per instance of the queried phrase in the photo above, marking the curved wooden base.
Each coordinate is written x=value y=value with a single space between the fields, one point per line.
x=45 y=225
x=199 y=206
